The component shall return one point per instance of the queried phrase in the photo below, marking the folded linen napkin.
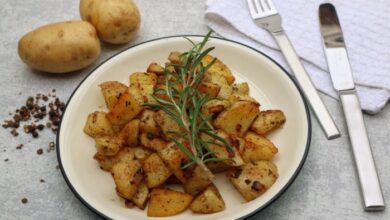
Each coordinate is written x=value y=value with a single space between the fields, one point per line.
x=366 y=32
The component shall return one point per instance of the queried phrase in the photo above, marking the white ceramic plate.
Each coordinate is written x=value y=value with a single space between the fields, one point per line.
x=269 y=84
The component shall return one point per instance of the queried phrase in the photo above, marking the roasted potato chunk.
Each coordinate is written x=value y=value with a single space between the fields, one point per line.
x=155 y=68
x=253 y=179
x=209 y=201
x=148 y=124
x=111 y=91
x=155 y=171
x=107 y=162
x=218 y=68
x=145 y=82
x=235 y=97
x=175 y=159
x=166 y=202
x=141 y=153
x=124 y=110
x=174 y=57
x=127 y=177
x=168 y=126
x=268 y=121
x=109 y=145
x=197 y=182
x=241 y=88
x=214 y=106
x=151 y=142
x=136 y=93
x=218 y=166
x=98 y=124
x=257 y=148
x=237 y=118
x=130 y=133
x=142 y=195
x=209 y=89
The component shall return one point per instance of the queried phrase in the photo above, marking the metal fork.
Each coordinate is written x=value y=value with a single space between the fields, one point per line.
x=265 y=15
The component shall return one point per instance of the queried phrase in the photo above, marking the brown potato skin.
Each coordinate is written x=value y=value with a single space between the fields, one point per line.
x=116 y=21
x=60 y=47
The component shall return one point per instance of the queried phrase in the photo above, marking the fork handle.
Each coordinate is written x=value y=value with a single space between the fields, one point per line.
x=311 y=94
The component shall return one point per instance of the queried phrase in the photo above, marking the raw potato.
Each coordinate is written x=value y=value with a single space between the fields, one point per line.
x=60 y=47
x=109 y=145
x=116 y=21
x=127 y=177
x=253 y=179
x=166 y=202
x=98 y=124
x=155 y=171
x=237 y=119
x=257 y=148
x=268 y=121
x=111 y=91
x=209 y=201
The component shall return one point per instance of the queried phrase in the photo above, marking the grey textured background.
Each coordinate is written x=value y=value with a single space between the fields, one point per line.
x=326 y=188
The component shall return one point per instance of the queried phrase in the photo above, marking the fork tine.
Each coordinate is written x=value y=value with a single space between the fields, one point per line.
x=259 y=6
x=270 y=4
x=264 y=5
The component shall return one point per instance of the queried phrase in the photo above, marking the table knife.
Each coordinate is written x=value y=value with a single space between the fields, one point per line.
x=341 y=74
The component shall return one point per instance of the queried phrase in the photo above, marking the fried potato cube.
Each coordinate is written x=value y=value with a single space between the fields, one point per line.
x=237 y=118
x=155 y=171
x=155 y=68
x=267 y=121
x=235 y=97
x=148 y=124
x=127 y=177
x=111 y=91
x=214 y=106
x=124 y=110
x=209 y=201
x=257 y=148
x=175 y=159
x=98 y=124
x=174 y=57
x=197 y=182
x=109 y=145
x=150 y=142
x=253 y=179
x=130 y=132
x=141 y=153
x=136 y=93
x=209 y=89
x=218 y=68
x=168 y=126
x=142 y=195
x=241 y=88
x=145 y=82
x=218 y=166
x=166 y=202
x=107 y=162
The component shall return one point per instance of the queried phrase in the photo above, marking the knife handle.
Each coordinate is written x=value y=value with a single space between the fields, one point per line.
x=368 y=177
x=311 y=94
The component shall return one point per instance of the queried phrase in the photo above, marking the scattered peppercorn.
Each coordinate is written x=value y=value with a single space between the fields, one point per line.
x=39 y=151
x=42 y=180
x=19 y=146
x=24 y=200
x=6 y=159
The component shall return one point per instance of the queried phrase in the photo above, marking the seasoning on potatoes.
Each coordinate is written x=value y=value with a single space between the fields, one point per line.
x=116 y=21
x=60 y=47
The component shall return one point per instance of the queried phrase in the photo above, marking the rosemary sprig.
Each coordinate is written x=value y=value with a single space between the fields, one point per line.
x=184 y=105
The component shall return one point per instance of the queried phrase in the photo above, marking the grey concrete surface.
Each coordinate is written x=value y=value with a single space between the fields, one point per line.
x=326 y=188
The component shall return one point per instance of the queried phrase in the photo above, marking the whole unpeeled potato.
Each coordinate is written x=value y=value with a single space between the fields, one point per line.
x=116 y=21
x=60 y=47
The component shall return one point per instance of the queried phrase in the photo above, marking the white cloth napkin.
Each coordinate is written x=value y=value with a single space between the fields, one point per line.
x=366 y=30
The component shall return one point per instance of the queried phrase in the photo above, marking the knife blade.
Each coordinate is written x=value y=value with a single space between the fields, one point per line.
x=341 y=75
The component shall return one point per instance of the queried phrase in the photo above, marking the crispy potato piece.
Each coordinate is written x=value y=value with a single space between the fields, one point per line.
x=127 y=177
x=257 y=148
x=130 y=133
x=166 y=202
x=173 y=180
x=218 y=166
x=214 y=106
x=141 y=153
x=197 y=182
x=218 y=68
x=209 y=201
x=225 y=90
x=253 y=179
x=136 y=93
x=174 y=57
x=235 y=97
x=168 y=126
x=155 y=68
x=175 y=159
x=142 y=195
x=267 y=121
x=145 y=82
x=237 y=118
x=107 y=162
x=111 y=91
x=124 y=110
x=109 y=145
x=98 y=124
x=209 y=89
x=151 y=142
x=155 y=171
x=241 y=88
x=148 y=124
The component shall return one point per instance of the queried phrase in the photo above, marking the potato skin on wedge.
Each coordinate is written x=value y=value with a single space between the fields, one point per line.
x=257 y=148
x=127 y=177
x=166 y=202
x=209 y=201
x=268 y=121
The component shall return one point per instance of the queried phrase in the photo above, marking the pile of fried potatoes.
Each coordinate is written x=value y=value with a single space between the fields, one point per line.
x=132 y=142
